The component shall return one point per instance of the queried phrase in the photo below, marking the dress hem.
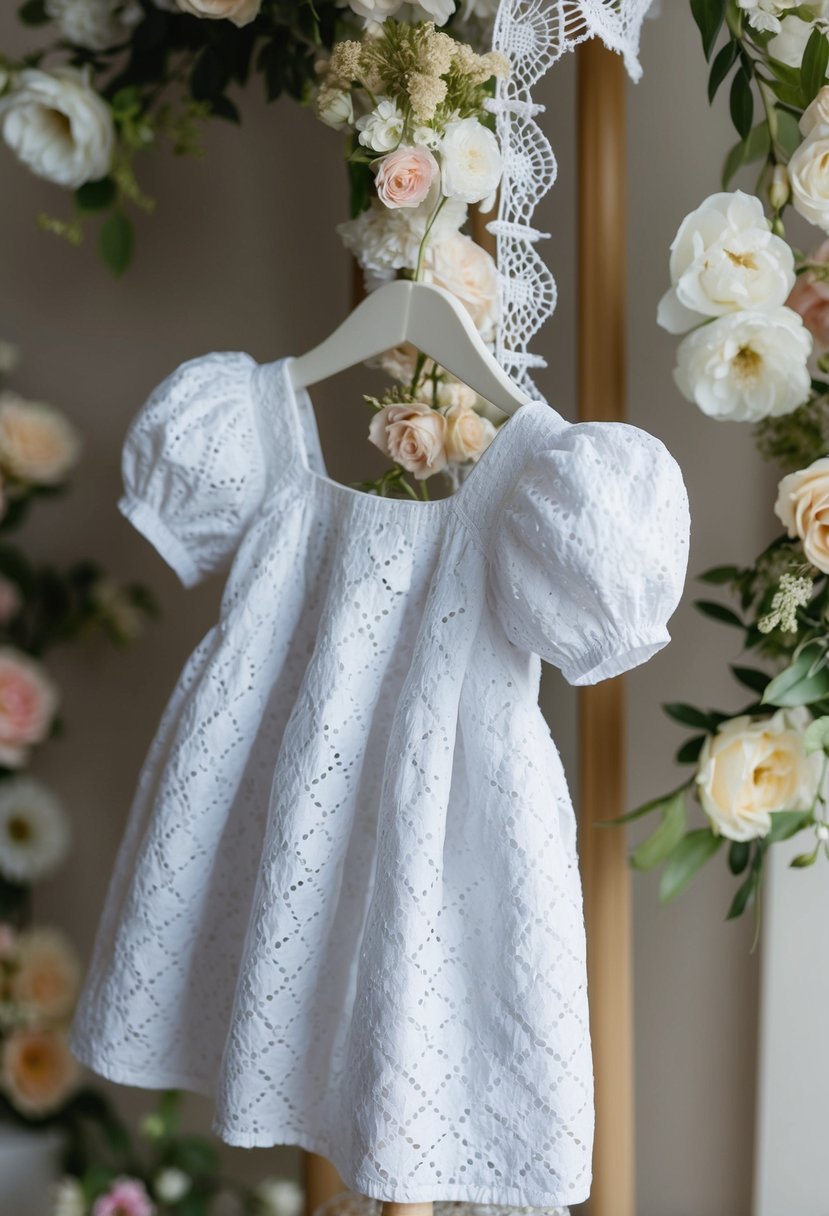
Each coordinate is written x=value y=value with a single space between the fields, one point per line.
x=359 y=1183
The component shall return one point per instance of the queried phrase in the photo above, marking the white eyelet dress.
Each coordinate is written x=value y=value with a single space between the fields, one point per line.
x=347 y=905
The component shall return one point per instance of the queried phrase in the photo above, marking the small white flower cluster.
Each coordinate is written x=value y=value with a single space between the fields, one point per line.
x=790 y=30
x=746 y=357
x=794 y=591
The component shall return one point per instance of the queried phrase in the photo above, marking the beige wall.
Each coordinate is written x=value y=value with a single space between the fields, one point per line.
x=242 y=254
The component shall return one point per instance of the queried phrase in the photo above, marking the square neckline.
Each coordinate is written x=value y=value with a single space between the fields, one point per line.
x=306 y=431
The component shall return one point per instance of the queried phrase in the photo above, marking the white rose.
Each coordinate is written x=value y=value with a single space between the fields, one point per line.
x=239 y=12
x=471 y=161
x=802 y=507
x=788 y=45
x=335 y=108
x=816 y=113
x=280 y=1197
x=171 y=1184
x=382 y=129
x=59 y=126
x=764 y=15
x=375 y=10
x=746 y=366
x=93 y=24
x=809 y=178
x=725 y=258
x=469 y=273
x=385 y=240
x=750 y=769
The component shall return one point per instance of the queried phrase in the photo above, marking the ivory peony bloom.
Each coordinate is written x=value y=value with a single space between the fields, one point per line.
x=809 y=178
x=37 y=1070
x=404 y=177
x=28 y=700
x=725 y=258
x=462 y=267
x=94 y=24
x=385 y=240
x=413 y=434
x=471 y=160
x=750 y=769
x=239 y=12
x=746 y=366
x=58 y=126
x=45 y=981
x=125 y=1197
x=802 y=507
x=810 y=299
x=34 y=833
x=468 y=435
x=37 y=443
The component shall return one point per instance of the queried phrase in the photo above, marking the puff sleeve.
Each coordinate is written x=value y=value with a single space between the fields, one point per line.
x=193 y=465
x=589 y=551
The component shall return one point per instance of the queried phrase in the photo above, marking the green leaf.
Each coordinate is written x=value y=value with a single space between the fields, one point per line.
x=788 y=131
x=785 y=824
x=751 y=678
x=709 y=16
x=722 y=65
x=744 y=895
x=210 y=76
x=666 y=837
x=813 y=65
x=816 y=737
x=96 y=196
x=689 y=752
x=718 y=612
x=115 y=242
x=720 y=574
x=738 y=856
x=644 y=809
x=689 y=856
x=33 y=12
x=688 y=715
x=755 y=147
x=741 y=103
x=800 y=683
x=804 y=860
x=223 y=107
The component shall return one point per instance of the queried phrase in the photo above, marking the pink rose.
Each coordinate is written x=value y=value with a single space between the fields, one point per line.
x=126 y=1197
x=810 y=298
x=412 y=434
x=28 y=700
x=405 y=176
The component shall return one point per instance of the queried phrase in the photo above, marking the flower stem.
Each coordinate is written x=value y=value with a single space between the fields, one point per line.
x=422 y=250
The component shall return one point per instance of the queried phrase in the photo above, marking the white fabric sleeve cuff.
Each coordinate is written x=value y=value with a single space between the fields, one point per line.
x=614 y=657
x=152 y=527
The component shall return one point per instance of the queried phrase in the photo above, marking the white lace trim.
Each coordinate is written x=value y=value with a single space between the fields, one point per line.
x=534 y=34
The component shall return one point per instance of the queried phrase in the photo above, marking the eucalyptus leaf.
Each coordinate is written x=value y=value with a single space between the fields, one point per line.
x=741 y=103
x=785 y=824
x=718 y=612
x=709 y=16
x=723 y=62
x=814 y=64
x=805 y=681
x=686 y=860
x=667 y=836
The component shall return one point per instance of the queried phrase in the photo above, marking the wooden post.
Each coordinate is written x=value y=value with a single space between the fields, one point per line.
x=602 y=174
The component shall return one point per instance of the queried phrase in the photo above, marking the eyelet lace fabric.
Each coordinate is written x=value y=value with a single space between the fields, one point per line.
x=534 y=34
x=347 y=904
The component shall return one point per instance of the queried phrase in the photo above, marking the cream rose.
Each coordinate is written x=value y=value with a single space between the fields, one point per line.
x=471 y=161
x=37 y=443
x=746 y=366
x=809 y=178
x=466 y=270
x=404 y=177
x=45 y=981
x=58 y=126
x=38 y=1071
x=468 y=435
x=802 y=507
x=239 y=12
x=816 y=113
x=725 y=258
x=750 y=769
x=412 y=434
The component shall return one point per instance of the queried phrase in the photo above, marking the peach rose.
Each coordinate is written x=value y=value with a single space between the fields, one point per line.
x=468 y=272
x=810 y=298
x=468 y=435
x=28 y=700
x=38 y=1071
x=413 y=434
x=405 y=176
x=240 y=12
x=803 y=508
x=45 y=982
x=37 y=444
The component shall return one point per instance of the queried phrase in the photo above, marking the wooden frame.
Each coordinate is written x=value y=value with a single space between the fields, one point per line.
x=602 y=175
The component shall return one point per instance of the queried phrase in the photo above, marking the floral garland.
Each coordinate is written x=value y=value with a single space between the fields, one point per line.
x=755 y=314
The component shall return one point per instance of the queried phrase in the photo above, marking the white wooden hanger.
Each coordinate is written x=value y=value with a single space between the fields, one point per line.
x=431 y=319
